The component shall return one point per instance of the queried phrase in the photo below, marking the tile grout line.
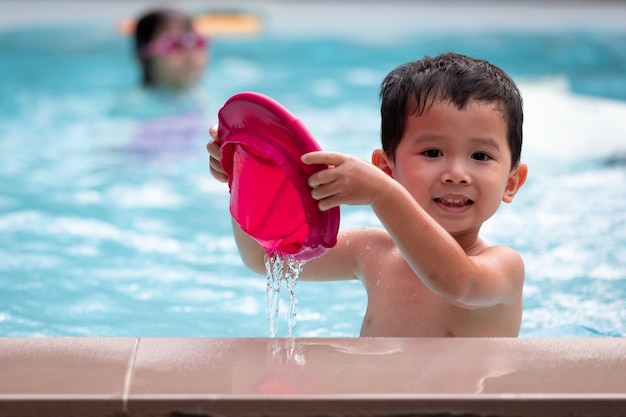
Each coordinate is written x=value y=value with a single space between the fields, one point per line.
x=128 y=378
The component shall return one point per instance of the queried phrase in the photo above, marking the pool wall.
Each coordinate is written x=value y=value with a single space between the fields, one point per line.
x=313 y=377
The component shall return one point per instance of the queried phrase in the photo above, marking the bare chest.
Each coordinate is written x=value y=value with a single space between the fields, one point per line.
x=401 y=305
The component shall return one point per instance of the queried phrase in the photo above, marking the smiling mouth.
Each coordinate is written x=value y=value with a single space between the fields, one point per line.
x=454 y=202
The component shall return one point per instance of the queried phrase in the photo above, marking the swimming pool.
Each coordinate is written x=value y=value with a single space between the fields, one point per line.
x=99 y=241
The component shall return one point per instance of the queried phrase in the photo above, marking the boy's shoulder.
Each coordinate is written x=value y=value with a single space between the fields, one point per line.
x=369 y=243
x=368 y=234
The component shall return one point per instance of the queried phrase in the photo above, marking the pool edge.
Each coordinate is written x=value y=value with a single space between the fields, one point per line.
x=302 y=376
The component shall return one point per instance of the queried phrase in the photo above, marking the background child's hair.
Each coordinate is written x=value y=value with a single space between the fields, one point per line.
x=411 y=88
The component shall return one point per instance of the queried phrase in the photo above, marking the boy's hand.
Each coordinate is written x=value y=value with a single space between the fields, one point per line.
x=348 y=180
x=213 y=147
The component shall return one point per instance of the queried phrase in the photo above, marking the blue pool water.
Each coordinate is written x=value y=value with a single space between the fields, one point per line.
x=97 y=240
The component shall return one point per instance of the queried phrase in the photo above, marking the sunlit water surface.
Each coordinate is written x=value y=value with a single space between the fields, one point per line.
x=98 y=240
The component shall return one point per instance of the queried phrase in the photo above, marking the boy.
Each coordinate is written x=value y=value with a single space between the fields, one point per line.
x=451 y=136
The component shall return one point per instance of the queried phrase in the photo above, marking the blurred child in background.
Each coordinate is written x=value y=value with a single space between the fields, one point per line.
x=170 y=102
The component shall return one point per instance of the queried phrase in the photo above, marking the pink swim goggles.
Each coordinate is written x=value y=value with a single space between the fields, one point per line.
x=172 y=43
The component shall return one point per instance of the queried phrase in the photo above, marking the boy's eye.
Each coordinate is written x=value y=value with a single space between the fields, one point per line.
x=481 y=156
x=432 y=153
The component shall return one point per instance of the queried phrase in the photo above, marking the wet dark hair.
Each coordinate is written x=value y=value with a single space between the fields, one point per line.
x=149 y=25
x=412 y=88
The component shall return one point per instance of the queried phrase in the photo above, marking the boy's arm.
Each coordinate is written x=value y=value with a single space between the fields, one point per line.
x=473 y=279
x=338 y=263
x=251 y=252
x=483 y=278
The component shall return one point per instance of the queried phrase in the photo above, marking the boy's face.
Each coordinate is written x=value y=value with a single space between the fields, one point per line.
x=457 y=163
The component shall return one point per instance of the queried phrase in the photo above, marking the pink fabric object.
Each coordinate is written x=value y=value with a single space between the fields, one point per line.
x=261 y=144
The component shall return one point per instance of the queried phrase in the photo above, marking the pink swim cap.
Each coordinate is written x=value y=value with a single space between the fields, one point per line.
x=261 y=144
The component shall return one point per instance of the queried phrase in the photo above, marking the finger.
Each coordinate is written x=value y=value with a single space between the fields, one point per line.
x=220 y=177
x=321 y=178
x=213 y=132
x=323 y=192
x=323 y=158
x=218 y=173
x=328 y=203
x=214 y=149
x=216 y=164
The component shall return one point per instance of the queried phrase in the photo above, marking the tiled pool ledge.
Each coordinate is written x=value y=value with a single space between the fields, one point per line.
x=311 y=377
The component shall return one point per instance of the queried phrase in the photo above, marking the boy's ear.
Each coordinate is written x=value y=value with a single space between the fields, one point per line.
x=381 y=160
x=517 y=178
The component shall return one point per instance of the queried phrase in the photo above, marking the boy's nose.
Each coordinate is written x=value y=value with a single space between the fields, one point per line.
x=455 y=173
